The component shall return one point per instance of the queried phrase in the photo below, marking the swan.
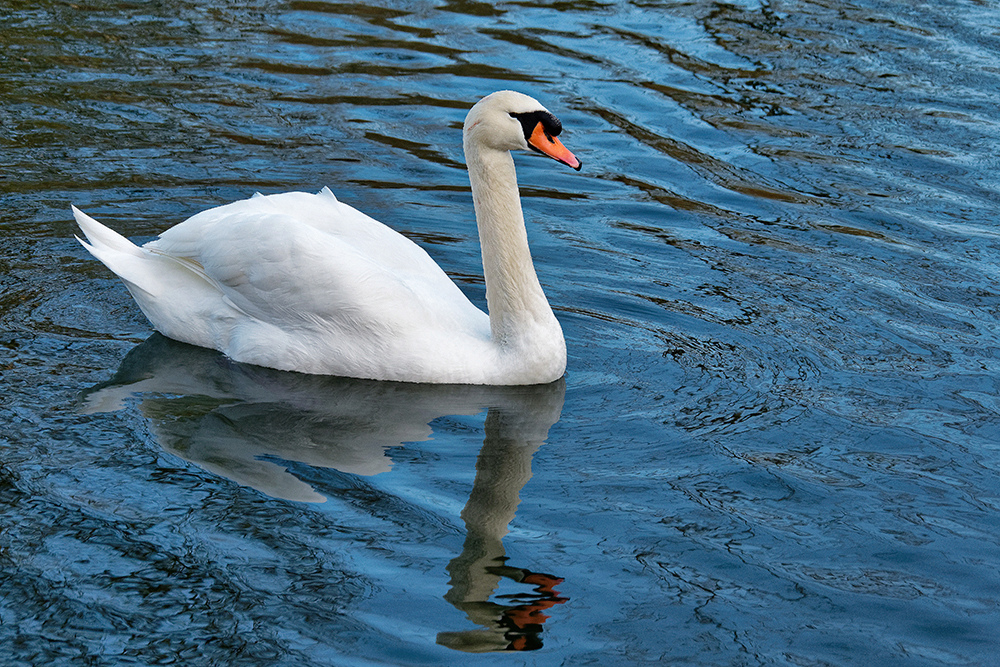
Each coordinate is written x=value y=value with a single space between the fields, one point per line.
x=303 y=282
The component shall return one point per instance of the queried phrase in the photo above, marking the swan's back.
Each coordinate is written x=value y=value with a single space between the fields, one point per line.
x=321 y=212
x=304 y=282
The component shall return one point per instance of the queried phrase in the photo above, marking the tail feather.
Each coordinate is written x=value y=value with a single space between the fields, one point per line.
x=101 y=237
x=127 y=260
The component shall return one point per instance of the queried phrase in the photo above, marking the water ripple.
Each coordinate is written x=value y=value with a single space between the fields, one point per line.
x=776 y=273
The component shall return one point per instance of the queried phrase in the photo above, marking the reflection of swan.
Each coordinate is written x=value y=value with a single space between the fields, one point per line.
x=225 y=416
x=303 y=282
x=229 y=418
x=513 y=433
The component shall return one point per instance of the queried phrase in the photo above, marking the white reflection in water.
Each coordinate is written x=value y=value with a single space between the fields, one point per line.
x=235 y=420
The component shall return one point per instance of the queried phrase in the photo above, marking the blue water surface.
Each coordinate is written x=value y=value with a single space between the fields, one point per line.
x=778 y=439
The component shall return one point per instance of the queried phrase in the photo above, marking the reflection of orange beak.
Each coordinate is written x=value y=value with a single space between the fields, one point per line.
x=541 y=141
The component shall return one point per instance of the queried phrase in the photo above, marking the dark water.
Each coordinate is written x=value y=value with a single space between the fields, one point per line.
x=778 y=441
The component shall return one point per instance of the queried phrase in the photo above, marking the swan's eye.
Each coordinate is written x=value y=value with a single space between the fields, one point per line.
x=531 y=119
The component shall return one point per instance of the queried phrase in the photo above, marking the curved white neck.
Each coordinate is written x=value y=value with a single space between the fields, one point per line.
x=517 y=306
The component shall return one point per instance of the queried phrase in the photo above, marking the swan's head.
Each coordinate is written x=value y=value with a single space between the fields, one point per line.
x=508 y=121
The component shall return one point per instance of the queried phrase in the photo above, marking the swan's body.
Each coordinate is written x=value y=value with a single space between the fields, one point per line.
x=306 y=283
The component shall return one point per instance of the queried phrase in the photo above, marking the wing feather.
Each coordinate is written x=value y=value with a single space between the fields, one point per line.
x=306 y=258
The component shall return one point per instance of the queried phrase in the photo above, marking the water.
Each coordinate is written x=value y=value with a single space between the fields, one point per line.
x=777 y=442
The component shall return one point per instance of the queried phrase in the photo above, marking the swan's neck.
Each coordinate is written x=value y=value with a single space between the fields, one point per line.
x=517 y=306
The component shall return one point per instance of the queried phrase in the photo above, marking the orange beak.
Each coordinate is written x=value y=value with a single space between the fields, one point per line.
x=542 y=142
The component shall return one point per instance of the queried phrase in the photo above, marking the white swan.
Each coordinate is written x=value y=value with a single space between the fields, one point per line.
x=306 y=283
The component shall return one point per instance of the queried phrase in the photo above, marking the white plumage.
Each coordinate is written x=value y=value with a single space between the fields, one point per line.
x=306 y=283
